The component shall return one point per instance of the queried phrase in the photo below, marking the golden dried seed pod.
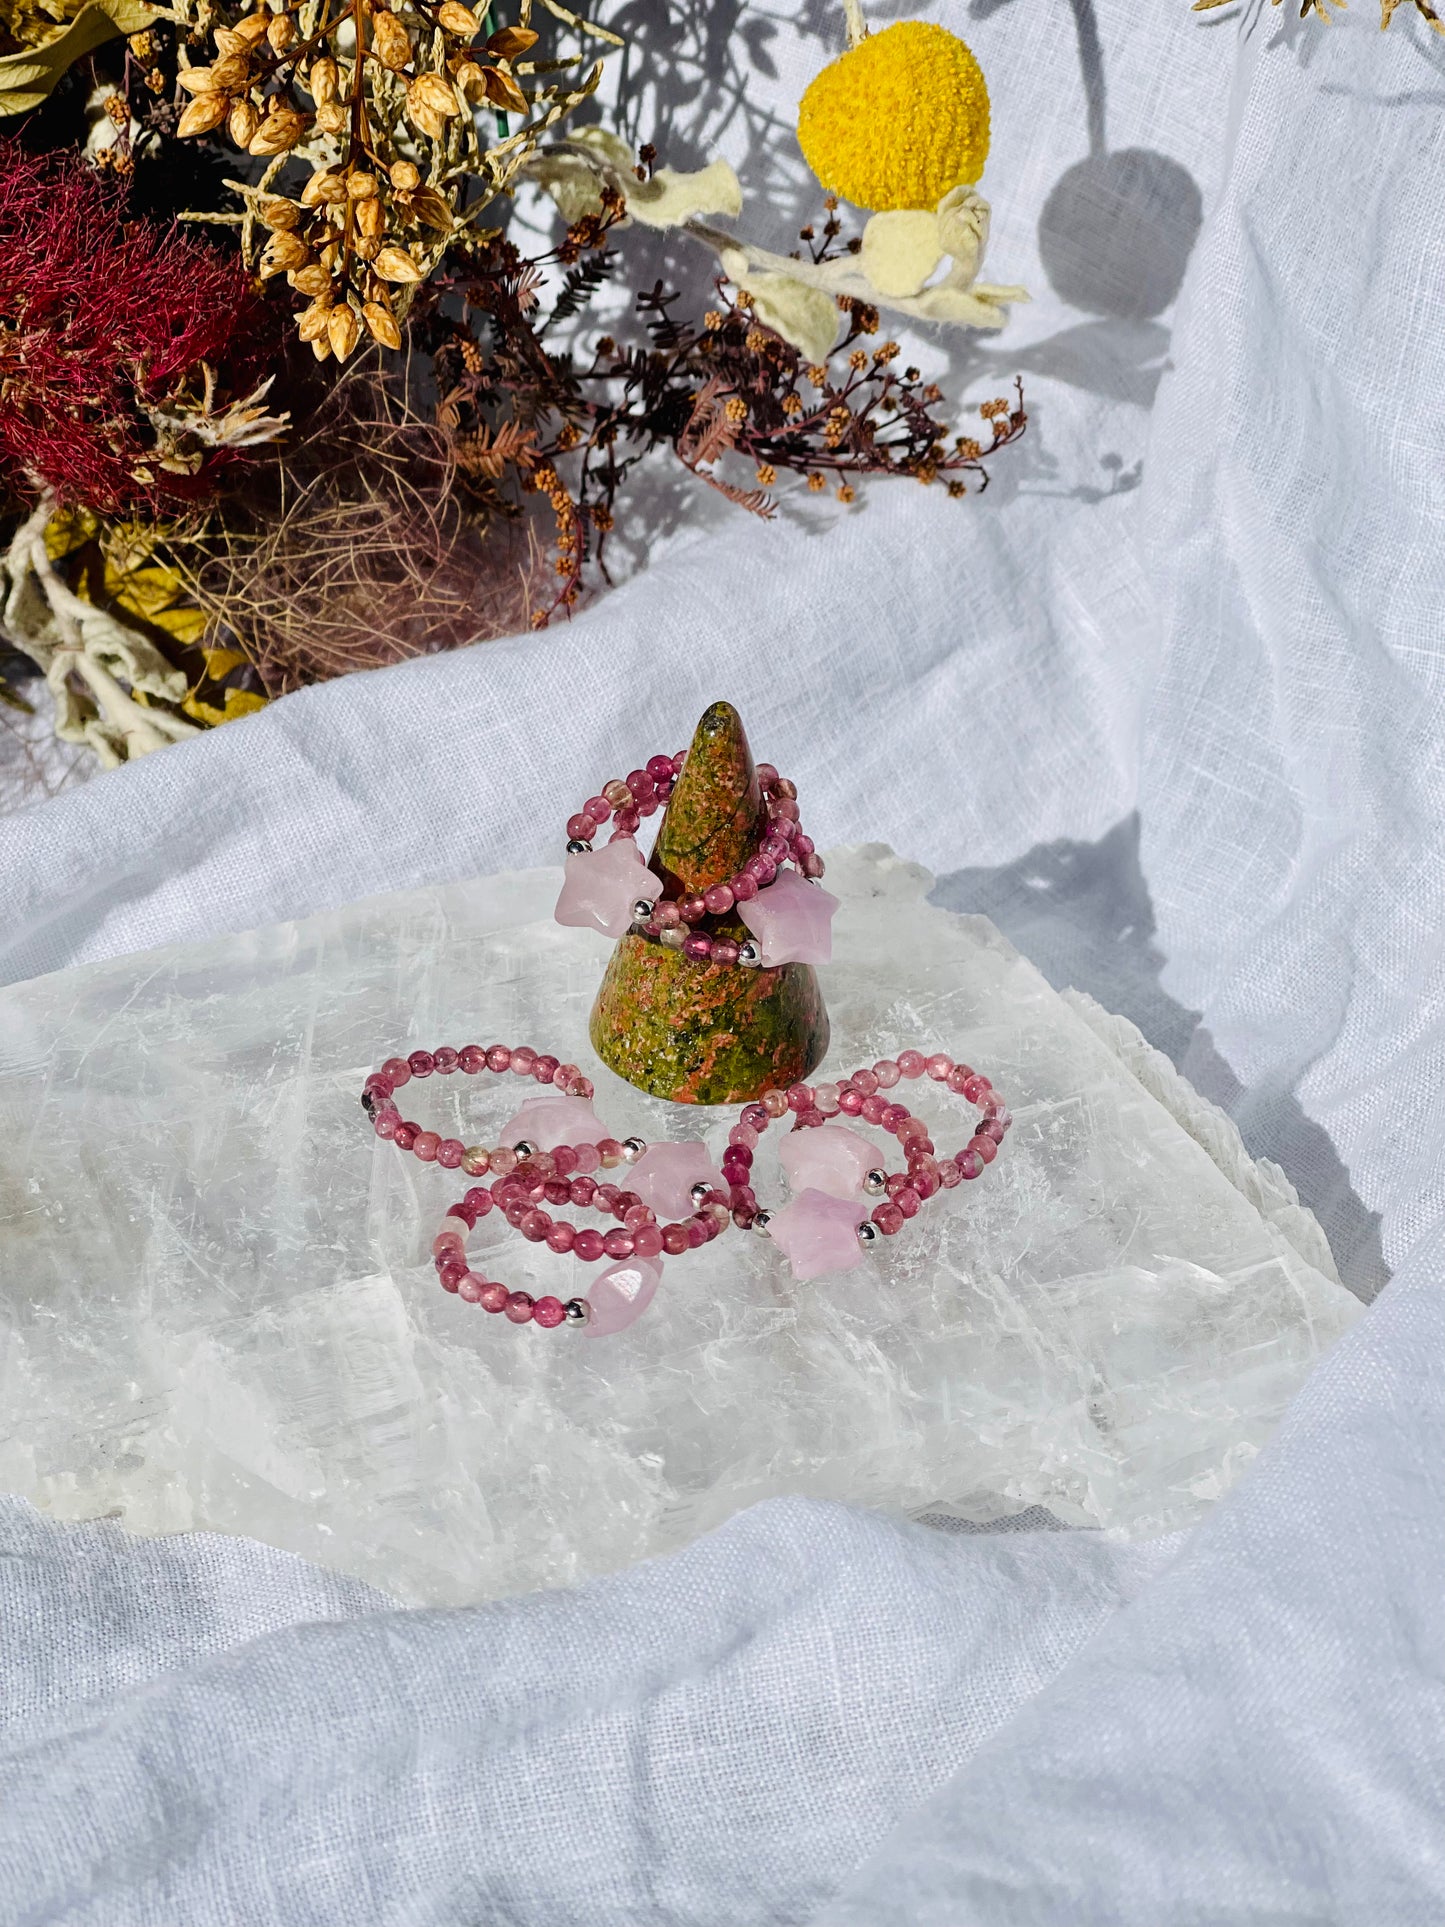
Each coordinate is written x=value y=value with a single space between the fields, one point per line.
x=280 y=33
x=278 y=133
x=381 y=325
x=197 y=80
x=343 y=331
x=503 y=91
x=242 y=122
x=275 y=211
x=431 y=91
x=315 y=321
x=469 y=77
x=230 y=75
x=311 y=280
x=325 y=185
x=390 y=41
x=509 y=42
x=428 y=205
x=320 y=347
x=323 y=81
x=361 y=186
x=205 y=112
x=404 y=176
x=371 y=219
x=228 y=41
x=367 y=246
x=331 y=118
x=427 y=122
x=458 y=19
x=285 y=251
x=392 y=264
x=252 y=29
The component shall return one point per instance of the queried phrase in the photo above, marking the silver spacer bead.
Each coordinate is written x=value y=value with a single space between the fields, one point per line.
x=876 y=1183
x=674 y=936
x=578 y=846
x=633 y=1148
x=642 y=910
x=576 y=1311
x=749 y=956
x=524 y=1148
x=699 y=1191
x=761 y=1222
x=868 y=1233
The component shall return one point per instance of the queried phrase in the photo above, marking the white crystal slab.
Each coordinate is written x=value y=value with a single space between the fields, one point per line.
x=217 y=1308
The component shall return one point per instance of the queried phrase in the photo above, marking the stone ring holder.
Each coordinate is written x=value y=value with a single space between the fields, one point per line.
x=614 y=891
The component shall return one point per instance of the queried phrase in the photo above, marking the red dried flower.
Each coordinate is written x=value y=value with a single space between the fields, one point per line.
x=105 y=320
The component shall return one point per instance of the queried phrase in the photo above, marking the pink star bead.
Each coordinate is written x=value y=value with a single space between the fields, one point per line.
x=601 y=887
x=664 y=1175
x=621 y=1294
x=818 y=1234
x=831 y=1158
x=550 y=1121
x=792 y=920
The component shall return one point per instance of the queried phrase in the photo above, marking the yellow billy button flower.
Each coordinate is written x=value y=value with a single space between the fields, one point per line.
x=898 y=120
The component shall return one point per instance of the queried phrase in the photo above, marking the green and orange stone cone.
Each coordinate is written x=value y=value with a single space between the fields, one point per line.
x=706 y=1033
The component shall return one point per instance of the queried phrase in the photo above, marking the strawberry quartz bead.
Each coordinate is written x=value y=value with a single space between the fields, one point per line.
x=426 y=1146
x=887 y=1073
x=545 y=1069
x=850 y=1102
x=524 y=1060
x=493 y=1297
x=938 y=1066
x=588 y=1245
x=948 y=1173
x=471 y=1058
x=969 y=1163
x=975 y=1088
x=445 y=1060
x=385 y=1123
x=561 y=1237
x=888 y=1218
x=864 y=1081
x=396 y=1071
x=499 y=1058
x=548 y=1312
x=985 y=1147
x=472 y=1287
x=911 y=1062
x=519 y=1307
x=674 y=1239
x=450 y=1153
x=422 y=1063
x=958 y=1077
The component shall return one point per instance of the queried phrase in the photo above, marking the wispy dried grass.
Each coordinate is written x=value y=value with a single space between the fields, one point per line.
x=361 y=553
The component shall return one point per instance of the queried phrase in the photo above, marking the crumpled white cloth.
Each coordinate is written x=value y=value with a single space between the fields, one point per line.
x=814 y=1716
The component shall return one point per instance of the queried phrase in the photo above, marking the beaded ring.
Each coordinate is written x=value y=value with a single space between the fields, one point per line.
x=622 y=1292
x=449 y=1152
x=820 y=1230
x=614 y=891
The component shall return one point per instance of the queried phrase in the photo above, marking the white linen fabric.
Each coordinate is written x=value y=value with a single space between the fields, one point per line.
x=813 y=1715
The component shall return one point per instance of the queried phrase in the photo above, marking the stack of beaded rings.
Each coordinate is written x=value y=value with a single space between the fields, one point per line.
x=829 y=1167
x=561 y=1176
x=388 y=1122
x=613 y=890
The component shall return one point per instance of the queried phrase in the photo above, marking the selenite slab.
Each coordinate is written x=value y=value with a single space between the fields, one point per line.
x=217 y=1307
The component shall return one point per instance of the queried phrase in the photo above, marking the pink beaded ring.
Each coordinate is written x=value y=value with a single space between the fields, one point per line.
x=614 y=891
x=449 y=1152
x=665 y=1178
x=827 y=1169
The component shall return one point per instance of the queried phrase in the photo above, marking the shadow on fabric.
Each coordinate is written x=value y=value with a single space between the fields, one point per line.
x=1081 y=912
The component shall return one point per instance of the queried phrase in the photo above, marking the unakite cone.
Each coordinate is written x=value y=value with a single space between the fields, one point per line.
x=705 y=1033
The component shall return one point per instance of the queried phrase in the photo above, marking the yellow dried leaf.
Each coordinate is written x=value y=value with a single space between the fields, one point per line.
x=28 y=76
x=239 y=702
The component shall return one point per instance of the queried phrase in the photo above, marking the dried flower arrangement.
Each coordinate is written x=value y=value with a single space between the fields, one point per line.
x=440 y=458
x=1321 y=10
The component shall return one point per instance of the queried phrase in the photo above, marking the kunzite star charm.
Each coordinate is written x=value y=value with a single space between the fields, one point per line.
x=831 y=1158
x=601 y=887
x=620 y=1295
x=818 y=1234
x=550 y=1121
x=664 y=1175
x=792 y=920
